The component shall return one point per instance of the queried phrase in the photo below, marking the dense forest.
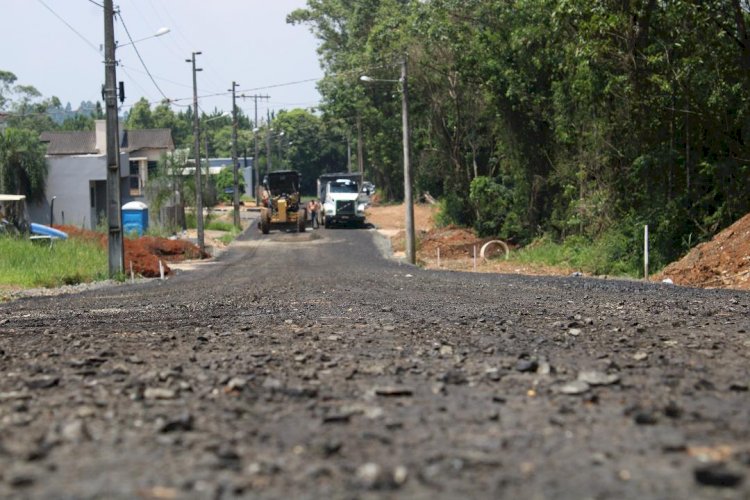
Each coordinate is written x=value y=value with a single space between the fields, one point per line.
x=554 y=118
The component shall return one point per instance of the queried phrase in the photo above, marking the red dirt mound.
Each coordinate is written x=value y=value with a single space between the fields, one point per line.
x=143 y=253
x=453 y=242
x=723 y=262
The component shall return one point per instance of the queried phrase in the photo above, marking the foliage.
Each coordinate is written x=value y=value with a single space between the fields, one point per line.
x=65 y=262
x=584 y=117
x=225 y=184
x=23 y=169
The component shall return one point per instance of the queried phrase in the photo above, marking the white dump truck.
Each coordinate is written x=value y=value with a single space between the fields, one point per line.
x=342 y=198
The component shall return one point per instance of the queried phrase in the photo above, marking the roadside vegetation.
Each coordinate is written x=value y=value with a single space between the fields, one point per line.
x=30 y=264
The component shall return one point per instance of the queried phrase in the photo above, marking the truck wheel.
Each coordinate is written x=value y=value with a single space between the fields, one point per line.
x=265 y=221
x=301 y=220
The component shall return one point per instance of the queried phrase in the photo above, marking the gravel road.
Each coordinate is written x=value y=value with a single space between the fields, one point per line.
x=309 y=366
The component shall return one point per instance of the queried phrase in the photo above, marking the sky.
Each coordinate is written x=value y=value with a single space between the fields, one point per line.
x=247 y=41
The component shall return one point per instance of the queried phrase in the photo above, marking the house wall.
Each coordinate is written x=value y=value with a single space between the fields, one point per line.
x=69 y=179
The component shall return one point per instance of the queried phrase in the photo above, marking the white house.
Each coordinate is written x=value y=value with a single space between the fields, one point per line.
x=77 y=172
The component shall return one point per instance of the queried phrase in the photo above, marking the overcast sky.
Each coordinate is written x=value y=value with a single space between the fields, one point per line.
x=247 y=41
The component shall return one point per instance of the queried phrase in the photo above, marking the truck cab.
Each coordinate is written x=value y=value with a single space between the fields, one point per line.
x=343 y=201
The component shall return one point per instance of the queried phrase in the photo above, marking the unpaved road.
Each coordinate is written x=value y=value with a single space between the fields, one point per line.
x=314 y=368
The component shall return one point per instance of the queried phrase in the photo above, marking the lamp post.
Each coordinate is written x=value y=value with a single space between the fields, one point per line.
x=411 y=256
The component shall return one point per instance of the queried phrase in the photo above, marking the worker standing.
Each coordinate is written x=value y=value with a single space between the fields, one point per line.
x=312 y=208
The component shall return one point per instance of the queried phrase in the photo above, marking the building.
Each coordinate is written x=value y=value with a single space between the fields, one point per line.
x=77 y=172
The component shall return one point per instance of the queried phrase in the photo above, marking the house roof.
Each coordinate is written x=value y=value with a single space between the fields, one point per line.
x=153 y=138
x=80 y=143
x=70 y=143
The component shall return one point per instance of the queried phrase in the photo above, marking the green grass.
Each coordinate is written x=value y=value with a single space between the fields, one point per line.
x=220 y=225
x=609 y=255
x=66 y=262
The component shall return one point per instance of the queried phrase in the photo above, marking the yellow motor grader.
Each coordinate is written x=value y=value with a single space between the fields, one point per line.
x=281 y=202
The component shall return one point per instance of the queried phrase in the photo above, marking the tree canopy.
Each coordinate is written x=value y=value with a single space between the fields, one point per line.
x=556 y=117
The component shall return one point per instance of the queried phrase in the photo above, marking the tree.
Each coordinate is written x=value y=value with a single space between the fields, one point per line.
x=23 y=168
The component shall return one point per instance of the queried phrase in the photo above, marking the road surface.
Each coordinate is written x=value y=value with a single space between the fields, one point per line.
x=310 y=366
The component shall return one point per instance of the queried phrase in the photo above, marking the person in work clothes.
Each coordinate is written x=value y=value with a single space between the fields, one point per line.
x=312 y=208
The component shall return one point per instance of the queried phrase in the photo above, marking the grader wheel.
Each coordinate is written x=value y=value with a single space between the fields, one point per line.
x=265 y=221
x=302 y=220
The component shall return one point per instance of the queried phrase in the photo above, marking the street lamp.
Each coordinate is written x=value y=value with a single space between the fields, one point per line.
x=411 y=256
x=162 y=31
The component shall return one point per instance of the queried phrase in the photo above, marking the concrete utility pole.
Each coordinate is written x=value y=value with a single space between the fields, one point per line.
x=235 y=162
x=256 y=166
x=360 y=149
x=411 y=251
x=197 y=157
x=268 y=142
x=114 y=218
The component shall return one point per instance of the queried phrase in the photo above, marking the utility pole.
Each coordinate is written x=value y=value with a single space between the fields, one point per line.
x=410 y=244
x=256 y=166
x=197 y=157
x=235 y=162
x=114 y=219
x=360 y=149
x=268 y=142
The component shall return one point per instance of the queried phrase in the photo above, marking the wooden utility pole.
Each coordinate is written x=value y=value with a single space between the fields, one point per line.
x=235 y=163
x=114 y=218
x=411 y=253
x=197 y=157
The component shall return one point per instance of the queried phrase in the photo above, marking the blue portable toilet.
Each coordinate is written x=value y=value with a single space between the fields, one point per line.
x=135 y=218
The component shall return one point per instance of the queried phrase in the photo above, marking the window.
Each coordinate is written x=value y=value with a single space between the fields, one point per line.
x=135 y=178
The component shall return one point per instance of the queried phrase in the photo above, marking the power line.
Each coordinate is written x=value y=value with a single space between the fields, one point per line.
x=93 y=47
x=135 y=47
x=96 y=3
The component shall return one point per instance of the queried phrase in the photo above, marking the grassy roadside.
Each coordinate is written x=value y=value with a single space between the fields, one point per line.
x=66 y=262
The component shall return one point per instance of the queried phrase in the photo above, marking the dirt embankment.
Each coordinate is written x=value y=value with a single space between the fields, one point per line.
x=143 y=253
x=723 y=262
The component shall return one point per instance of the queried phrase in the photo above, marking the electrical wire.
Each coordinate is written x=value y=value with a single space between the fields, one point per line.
x=93 y=47
x=96 y=3
x=143 y=63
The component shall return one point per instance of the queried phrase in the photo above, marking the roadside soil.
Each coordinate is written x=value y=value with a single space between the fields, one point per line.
x=723 y=262
x=456 y=245
x=143 y=253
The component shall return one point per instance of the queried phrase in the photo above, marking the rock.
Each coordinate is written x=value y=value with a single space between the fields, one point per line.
x=575 y=332
x=645 y=418
x=182 y=423
x=527 y=365
x=43 y=382
x=394 y=391
x=446 y=350
x=14 y=396
x=719 y=475
x=372 y=476
x=159 y=393
x=454 y=377
x=272 y=384
x=236 y=384
x=74 y=431
x=640 y=356
x=738 y=387
x=594 y=377
x=574 y=388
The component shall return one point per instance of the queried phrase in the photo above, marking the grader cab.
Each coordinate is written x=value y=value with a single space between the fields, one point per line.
x=281 y=202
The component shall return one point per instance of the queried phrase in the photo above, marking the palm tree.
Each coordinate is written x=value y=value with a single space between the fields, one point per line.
x=23 y=168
